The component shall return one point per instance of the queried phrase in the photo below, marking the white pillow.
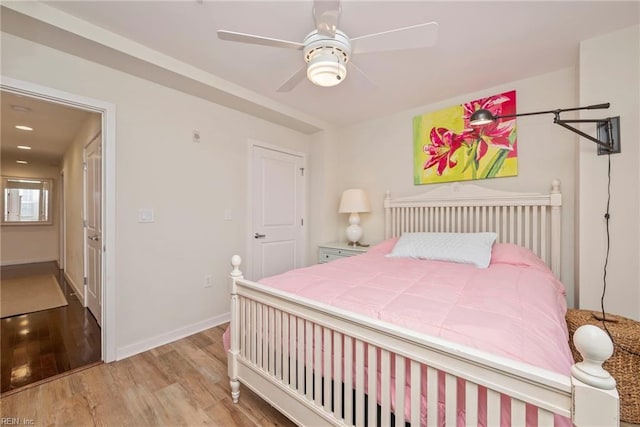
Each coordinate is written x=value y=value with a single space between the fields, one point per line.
x=465 y=248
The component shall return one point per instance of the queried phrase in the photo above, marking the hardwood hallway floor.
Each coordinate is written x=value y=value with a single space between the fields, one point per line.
x=182 y=383
x=41 y=345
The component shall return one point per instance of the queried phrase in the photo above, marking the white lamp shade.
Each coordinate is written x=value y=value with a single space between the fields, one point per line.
x=354 y=200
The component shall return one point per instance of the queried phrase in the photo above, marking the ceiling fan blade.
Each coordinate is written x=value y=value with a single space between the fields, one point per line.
x=413 y=37
x=253 y=39
x=365 y=78
x=326 y=14
x=293 y=80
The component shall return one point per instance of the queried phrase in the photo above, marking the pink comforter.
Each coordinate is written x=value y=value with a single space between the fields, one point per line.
x=514 y=308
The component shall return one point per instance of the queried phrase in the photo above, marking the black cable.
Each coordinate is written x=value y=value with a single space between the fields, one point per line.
x=606 y=258
x=607 y=216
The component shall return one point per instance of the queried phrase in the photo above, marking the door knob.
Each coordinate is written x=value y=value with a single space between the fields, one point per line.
x=260 y=236
x=94 y=238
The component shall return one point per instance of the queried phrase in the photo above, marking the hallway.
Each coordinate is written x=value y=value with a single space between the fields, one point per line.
x=41 y=345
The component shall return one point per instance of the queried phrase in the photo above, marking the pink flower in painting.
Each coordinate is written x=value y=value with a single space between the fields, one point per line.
x=444 y=144
x=495 y=133
x=493 y=104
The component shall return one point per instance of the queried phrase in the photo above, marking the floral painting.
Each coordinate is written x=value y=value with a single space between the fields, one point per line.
x=447 y=148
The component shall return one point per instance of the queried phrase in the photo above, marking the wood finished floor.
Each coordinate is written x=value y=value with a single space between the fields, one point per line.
x=181 y=383
x=41 y=345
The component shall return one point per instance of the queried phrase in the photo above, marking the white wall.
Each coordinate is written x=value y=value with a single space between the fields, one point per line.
x=72 y=166
x=161 y=266
x=24 y=244
x=377 y=155
x=610 y=72
x=323 y=184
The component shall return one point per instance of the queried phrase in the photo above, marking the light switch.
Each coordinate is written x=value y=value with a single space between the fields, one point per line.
x=145 y=215
x=227 y=214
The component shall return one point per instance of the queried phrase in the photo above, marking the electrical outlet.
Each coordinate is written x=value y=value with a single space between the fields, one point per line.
x=208 y=281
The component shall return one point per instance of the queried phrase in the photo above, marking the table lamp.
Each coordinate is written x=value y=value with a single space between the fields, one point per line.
x=353 y=202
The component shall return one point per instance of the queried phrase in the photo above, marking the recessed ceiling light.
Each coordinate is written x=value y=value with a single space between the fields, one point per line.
x=22 y=162
x=22 y=127
x=24 y=147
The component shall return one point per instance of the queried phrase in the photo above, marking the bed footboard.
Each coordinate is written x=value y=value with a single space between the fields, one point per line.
x=320 y=365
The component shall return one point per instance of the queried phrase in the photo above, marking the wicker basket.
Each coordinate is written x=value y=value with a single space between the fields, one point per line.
x=623 y=366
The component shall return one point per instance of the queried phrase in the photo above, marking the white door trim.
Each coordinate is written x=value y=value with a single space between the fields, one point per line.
x=62 y=221
x=248 y=265
x=108 y=111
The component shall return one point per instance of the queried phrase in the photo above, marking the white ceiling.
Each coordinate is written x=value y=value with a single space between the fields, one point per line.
x=480 y=44
x=54 y=127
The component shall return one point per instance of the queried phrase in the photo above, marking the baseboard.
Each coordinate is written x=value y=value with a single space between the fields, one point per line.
x=79 y=291
x=26 y=261
x=157 y=341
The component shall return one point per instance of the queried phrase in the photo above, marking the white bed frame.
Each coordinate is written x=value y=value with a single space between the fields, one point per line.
x=266 y=356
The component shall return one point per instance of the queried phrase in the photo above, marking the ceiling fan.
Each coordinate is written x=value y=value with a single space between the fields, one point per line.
x=327 y=50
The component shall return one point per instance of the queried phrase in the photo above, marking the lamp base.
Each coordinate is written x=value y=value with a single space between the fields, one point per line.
x=354 y=231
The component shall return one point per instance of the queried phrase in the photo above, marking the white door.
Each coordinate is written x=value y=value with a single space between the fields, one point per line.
x=93 y=227
x=278 y=204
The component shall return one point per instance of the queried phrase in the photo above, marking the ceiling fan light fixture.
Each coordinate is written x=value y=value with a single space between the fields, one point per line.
x=326 y=69
x=327 y=50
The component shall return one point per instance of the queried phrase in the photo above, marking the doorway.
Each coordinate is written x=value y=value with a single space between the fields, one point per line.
x=107 y=205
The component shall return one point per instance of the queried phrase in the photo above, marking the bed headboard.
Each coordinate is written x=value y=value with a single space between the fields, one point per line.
x=526 y=219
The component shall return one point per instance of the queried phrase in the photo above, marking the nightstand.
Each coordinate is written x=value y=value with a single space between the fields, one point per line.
x=336 y=250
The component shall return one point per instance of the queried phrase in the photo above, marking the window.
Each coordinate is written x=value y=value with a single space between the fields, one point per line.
x=26 y=200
